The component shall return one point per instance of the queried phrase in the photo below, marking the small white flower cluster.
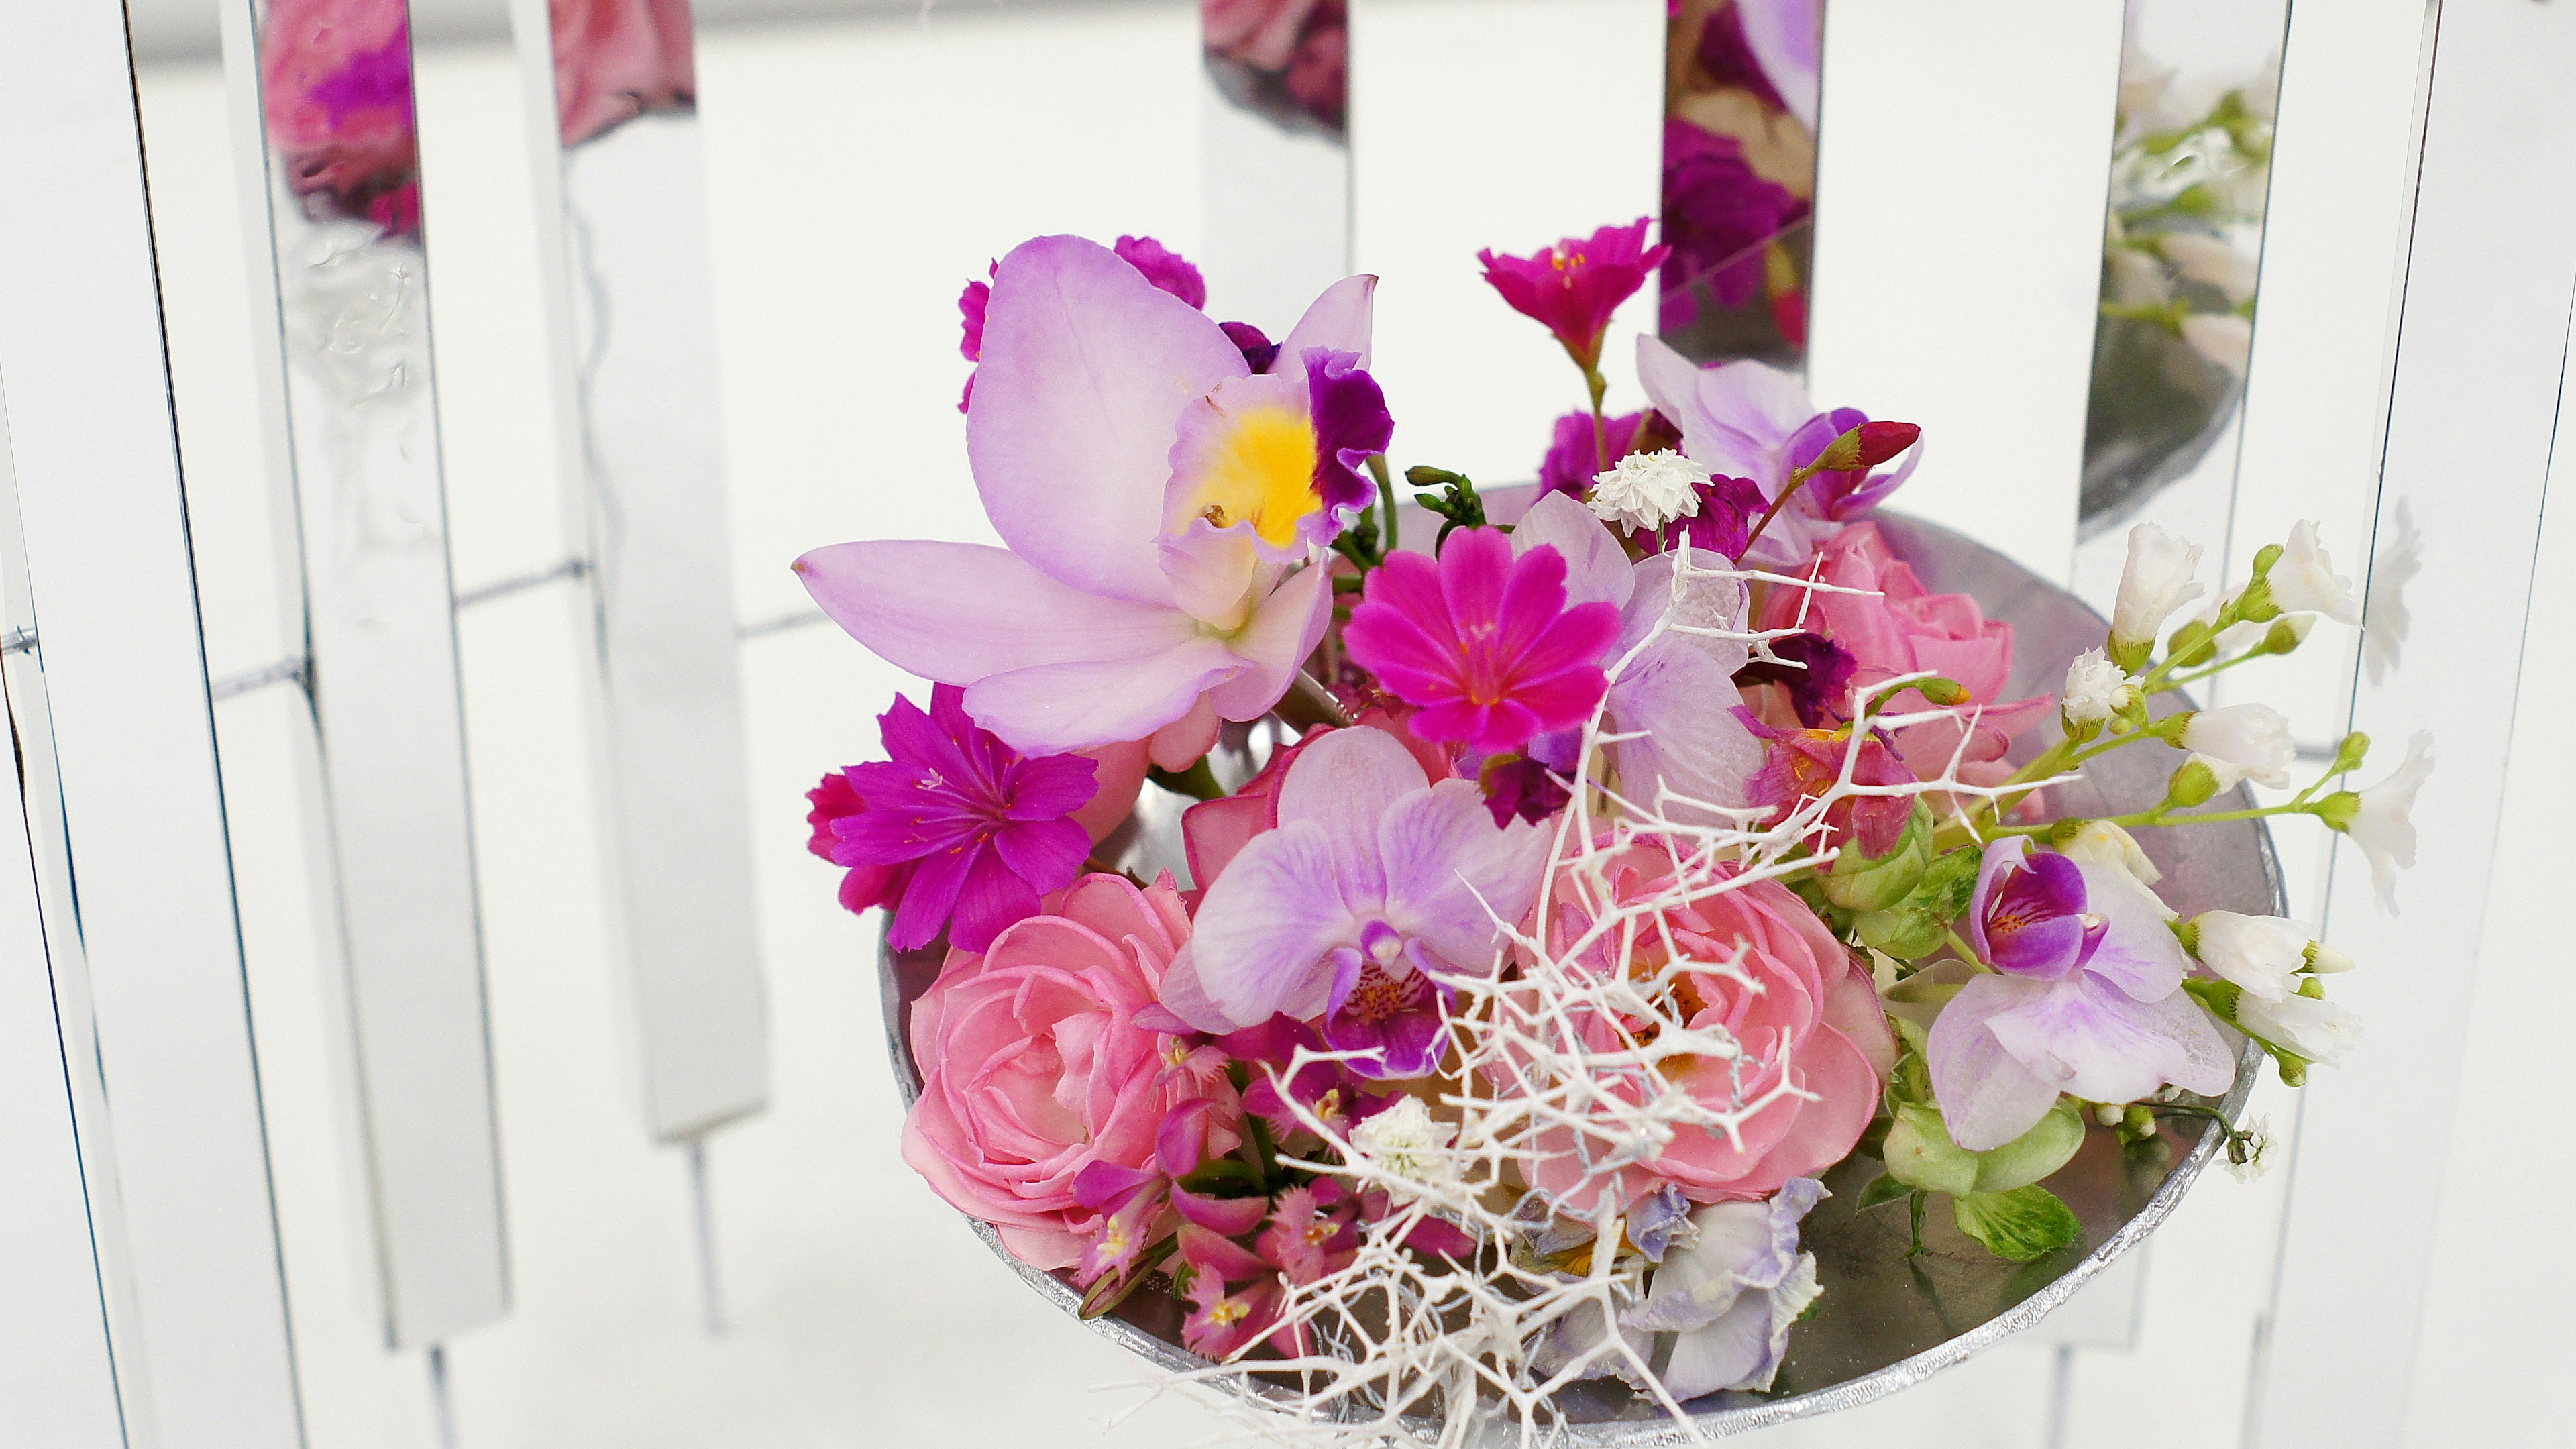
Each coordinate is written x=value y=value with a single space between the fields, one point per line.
x=1647 y=490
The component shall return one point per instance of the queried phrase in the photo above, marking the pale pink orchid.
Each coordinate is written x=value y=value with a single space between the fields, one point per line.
x=1156 y=499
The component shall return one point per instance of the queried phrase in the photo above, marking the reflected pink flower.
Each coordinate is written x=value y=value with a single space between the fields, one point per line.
x=1575 y=285
x=335 y=83
x=1483 y=642
x=1260 y=33
x=617 y=59
x=1719 y=216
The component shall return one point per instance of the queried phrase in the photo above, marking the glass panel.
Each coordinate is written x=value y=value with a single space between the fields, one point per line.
x=1277 y=153
x=1740 y=102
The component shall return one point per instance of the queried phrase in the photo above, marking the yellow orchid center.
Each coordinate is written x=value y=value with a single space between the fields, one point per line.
x=1261 y=472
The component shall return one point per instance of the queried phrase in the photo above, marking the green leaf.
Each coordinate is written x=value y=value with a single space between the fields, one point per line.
x=2025 y=1223
x=1919 y=1153
x=1882 y=1189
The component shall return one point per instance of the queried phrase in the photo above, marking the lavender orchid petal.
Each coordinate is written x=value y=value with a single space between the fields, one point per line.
x=2084 y=1036
x=1055 y=709
x=1670 y=380
x=1451 y=875
x=1338 y=321
x=2138 y=952
x=1263 y=932
x=1285 y=628
x=1086 y=368
x=1987 y=1096
x=1344 y=784
x=1597 y=569
x=955 y=612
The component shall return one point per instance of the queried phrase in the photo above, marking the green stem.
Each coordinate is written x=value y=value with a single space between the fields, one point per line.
x=1600 y=387
x=1198 y=781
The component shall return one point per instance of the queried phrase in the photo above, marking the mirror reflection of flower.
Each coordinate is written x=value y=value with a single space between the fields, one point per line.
x=1739 y=175
x=336 y=79
x=1287 y=58
x=619 y=59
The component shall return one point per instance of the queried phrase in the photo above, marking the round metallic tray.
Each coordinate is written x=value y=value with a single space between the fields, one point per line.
x=1885 y=1322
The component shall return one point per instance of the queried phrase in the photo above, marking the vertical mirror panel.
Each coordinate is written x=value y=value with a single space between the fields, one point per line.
x=359 y=485
x=2182 y=245
x=1741 y=90
x=622 y=188
x=1277 y=153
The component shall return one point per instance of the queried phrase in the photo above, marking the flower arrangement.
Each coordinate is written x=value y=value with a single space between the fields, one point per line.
x=1625 y=857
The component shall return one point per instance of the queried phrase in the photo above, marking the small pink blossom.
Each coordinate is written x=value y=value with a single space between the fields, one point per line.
x=1483 y=642
x=1575 y=285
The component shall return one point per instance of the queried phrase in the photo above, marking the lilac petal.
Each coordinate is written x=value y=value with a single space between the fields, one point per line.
x=1597 y=570
x=1059 y=708
x=2086 y=1037
x=1692 y=740
x=1338 y=321
x=1211 y=570
x=1987 y=1096
x=1450 y=875
x=2138 y=952
x=960 y=611
x=1285 y=629
x=1343 y=784
x=992 y=898
x=1731 y=1350
x=1047 y=854
x=1086 y=367
x=1670 y=380
x=1259 y=942
x=1787 y=40
x=1184 y=996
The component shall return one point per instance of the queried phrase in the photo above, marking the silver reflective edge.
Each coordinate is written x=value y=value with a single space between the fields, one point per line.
x=332 y=197
x=1884 y=1324
x=622 y=193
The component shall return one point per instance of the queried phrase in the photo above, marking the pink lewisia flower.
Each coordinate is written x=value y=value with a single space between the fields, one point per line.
x=2086 y=998
x=864 y=887
x=1575 y=285
x=1483 y=642
x=983 y=826
x=1154 y=494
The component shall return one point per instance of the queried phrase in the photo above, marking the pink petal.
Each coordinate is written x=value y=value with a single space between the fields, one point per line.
x=957 y=612
x=1180 y=744
x=1258 y=945
x=1086 y=368
x=1596 y=568
x=1345 y=783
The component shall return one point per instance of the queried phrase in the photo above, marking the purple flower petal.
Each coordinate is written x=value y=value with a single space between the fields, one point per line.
x=1987 y=1096
x=931 y=897
x=992 y=898
x=1351 y=426
x=1337 y=321
x=1262 y=931
x=1167 y=269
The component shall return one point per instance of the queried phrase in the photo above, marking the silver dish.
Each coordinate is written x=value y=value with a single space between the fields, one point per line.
x=1885 y=1322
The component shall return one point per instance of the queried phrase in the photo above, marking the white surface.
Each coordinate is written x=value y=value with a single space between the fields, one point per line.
x=859 y=1303
x=1278 y=214
x=1505 y=124
x=1958 y=248
x=2480 y=367
x=101 y=511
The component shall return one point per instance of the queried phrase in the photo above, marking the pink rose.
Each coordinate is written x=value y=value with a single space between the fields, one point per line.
x=1260 y=33
x=1906 y=628
x=1033 y=1066
x=616 y=59
x=1816 y=1011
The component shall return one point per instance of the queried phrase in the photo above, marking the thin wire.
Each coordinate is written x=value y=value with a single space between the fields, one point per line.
x=702 y=1206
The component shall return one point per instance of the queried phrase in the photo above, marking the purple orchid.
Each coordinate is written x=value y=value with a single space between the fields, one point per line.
x=1376 y=884
x=982 y=827
x=2085 y=998
x=1743 y=419
x=1155 y=496
x=1675 y=699
x=1167 y=269
x=1483 y=643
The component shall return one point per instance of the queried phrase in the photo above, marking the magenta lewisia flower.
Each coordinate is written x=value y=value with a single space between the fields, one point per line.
x=1483 y=642
x=1574 y=455
x=1575 y=285
x=864 y=887
x=983 y=826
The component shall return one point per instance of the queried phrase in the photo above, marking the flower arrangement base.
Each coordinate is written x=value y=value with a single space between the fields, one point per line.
x=1886 y=1320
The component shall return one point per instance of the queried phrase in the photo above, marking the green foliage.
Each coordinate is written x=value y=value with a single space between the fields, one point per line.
x=2017 y=1226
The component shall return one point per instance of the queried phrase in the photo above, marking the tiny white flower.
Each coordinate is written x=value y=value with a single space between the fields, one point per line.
x=2250 y=1155
x=2383 y=826
x=2222 y=337
x=1648 y=490
x=2209 y=261
x=2243 y=742
x=2157 y=581
x=2312 y=1026
x=2096 y=688
x=2304 y=581
x=2262 y=954
x=1406 y=1142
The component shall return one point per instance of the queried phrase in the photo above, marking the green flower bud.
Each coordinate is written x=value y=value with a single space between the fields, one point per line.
x=2349 y=754
x=1919 y=924
x=2313 y=989
x=2338 y=809
x=2263 y=561
x=1920 y=1153
x=2034 y=1154
x=2255 y=604
x=2137 y=1123
x=1863 y=883
x=1943 y=692
x=2285 y=636
x=2193 y=784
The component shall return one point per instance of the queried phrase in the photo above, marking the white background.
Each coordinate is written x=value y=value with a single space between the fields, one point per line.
x=859 y=173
